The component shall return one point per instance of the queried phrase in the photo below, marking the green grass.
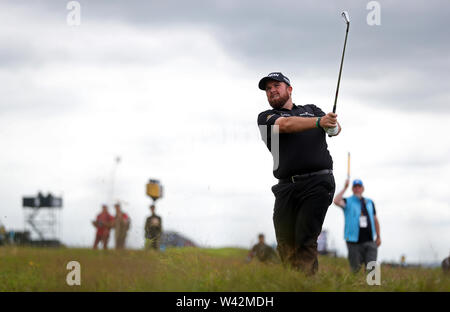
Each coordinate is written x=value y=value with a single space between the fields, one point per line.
x=192 y=269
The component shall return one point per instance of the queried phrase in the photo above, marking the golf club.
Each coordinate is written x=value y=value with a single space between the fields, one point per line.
x=347 y=21
x=348 y=166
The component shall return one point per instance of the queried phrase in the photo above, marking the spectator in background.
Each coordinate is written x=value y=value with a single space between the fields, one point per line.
x=103 y=223
x=121 y=227
x=263 y=252
x=361 y=226
x=403 y=261
x=153 y=230
x=446 y=265
x=2 y=234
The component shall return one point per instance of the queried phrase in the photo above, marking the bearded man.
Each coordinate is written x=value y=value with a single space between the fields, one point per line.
x=296 y=137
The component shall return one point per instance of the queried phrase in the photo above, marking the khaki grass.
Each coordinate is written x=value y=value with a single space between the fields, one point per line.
x=193 y=269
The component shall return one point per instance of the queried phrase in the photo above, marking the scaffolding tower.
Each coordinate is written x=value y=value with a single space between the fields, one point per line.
x=41 y=216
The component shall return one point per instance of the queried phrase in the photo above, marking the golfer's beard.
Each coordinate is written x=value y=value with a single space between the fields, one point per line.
x=279 y=102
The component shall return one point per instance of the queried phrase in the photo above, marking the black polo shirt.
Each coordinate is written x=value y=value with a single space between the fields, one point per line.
x=299 y=152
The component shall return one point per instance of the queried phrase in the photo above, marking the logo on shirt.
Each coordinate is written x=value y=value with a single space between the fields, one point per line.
x=285 y=115
x=306 y=114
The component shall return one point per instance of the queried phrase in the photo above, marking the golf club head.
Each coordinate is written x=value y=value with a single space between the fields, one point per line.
x=345 y=17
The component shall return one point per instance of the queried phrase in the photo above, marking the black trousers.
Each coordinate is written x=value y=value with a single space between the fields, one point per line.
x=298 y=215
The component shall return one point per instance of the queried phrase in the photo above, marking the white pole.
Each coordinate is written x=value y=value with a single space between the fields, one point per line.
x=116 y=164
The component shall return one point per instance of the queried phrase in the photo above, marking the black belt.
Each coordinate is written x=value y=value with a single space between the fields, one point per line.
x=294 y=178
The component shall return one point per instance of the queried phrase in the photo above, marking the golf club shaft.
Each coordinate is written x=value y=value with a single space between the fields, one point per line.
x=340 y=70
x=348 y=166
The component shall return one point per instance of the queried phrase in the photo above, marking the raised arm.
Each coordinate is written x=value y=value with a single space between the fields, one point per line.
x=339 y=200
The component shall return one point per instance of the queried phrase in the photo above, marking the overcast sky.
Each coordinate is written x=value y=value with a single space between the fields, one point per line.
x=171 y=88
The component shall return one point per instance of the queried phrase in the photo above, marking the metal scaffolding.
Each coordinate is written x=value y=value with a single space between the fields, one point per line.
x=41 y=216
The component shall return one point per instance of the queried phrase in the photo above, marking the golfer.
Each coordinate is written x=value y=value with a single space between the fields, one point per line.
x=295 y=135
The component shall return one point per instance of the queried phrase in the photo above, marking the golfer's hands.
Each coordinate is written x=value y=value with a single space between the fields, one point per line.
x=332 y=131
x=329 y=121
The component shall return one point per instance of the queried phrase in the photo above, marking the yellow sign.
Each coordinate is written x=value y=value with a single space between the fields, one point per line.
x=154 y=189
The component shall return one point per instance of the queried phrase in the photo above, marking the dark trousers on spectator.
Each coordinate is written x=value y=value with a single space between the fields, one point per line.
x=359 y=253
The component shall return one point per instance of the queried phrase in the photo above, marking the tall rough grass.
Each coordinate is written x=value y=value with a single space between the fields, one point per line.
x=193 y=269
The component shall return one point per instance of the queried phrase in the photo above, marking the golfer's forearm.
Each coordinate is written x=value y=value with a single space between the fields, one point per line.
x=295 y=124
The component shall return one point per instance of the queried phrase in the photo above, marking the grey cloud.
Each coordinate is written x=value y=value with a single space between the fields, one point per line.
x=26 y=98
x=14 y=54
x=305 y=38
